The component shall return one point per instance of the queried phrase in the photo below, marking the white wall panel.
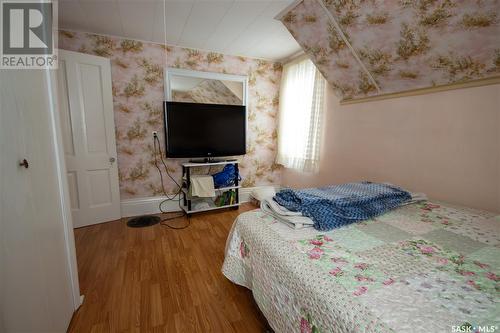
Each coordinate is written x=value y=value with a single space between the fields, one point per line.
x=202 y=22
x=137 y=18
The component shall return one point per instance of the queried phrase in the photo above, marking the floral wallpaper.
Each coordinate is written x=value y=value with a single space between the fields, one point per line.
x=402 y=44
x=137 y=77
x=208 y=91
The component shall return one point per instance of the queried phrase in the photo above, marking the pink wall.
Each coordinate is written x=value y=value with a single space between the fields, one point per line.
x=444 y=144
x=138 y=93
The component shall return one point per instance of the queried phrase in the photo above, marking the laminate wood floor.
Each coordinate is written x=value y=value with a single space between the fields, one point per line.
x=157 y=279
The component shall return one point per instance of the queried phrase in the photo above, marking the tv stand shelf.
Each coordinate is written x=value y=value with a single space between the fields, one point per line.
x=188 y=201
x=201 y=164
x=220 y=189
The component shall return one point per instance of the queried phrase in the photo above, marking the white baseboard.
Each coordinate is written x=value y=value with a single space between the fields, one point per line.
x=145 y=206
x=245 y=193
x=82 y=298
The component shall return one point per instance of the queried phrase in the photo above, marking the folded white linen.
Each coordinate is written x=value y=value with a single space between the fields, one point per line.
x=415 y=197
x=278 y=209
x=202 y=186
x=262 y=192
x=292 y=219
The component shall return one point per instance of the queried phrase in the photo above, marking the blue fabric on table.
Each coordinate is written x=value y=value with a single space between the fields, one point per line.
x=338 y=205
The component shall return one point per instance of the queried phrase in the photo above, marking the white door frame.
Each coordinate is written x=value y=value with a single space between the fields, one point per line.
x=67 y=219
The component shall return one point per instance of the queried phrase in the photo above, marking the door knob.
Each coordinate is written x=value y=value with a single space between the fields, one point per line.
x=24 y=163
x=112 y=159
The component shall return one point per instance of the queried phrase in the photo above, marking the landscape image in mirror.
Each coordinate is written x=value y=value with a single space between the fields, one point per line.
x=200 y=90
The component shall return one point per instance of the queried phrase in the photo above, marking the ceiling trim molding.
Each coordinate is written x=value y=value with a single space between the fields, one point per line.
x=346 y=41
x=163 y=44
x=429 y=90
x=292 y=57
x=296 y=60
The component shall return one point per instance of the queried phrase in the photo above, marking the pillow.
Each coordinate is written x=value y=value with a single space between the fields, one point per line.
x=262 y=193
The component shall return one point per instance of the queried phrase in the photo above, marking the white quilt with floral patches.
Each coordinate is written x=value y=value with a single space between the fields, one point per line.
x=422 y=267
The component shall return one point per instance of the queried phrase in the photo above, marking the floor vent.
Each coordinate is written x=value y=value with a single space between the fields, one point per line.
x=143 y=221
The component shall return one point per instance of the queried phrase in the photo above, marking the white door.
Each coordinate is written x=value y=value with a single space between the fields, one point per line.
x=88 y=127
x=35 y=266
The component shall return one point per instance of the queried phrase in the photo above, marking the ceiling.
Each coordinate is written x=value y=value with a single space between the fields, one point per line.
x=236 y=27
x=373 y=48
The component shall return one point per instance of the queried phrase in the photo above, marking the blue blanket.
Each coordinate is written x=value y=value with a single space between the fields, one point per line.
x=335 y=206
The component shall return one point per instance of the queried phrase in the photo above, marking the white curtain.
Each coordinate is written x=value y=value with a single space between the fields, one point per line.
x=300 y=116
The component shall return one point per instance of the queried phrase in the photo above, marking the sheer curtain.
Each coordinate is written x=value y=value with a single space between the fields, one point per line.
x=300 y=116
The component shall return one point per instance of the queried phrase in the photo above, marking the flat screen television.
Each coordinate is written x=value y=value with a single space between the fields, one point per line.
x=204 y=130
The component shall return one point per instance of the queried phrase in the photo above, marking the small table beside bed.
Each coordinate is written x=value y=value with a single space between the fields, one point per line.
x=425 y=266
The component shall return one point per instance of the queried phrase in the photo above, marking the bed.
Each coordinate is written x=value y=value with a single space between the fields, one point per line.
x=422 y=267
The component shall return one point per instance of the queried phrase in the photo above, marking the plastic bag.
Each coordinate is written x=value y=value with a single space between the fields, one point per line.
x=226 y=177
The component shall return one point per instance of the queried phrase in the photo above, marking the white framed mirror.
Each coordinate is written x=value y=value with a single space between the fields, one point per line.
x=184 y=85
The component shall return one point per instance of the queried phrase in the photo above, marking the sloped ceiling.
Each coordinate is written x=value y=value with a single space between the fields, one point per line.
x=374 y=47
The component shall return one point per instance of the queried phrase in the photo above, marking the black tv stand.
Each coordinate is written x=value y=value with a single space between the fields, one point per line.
x=206 y=160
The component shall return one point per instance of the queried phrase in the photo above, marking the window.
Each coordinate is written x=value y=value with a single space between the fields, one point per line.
x=300 y=116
